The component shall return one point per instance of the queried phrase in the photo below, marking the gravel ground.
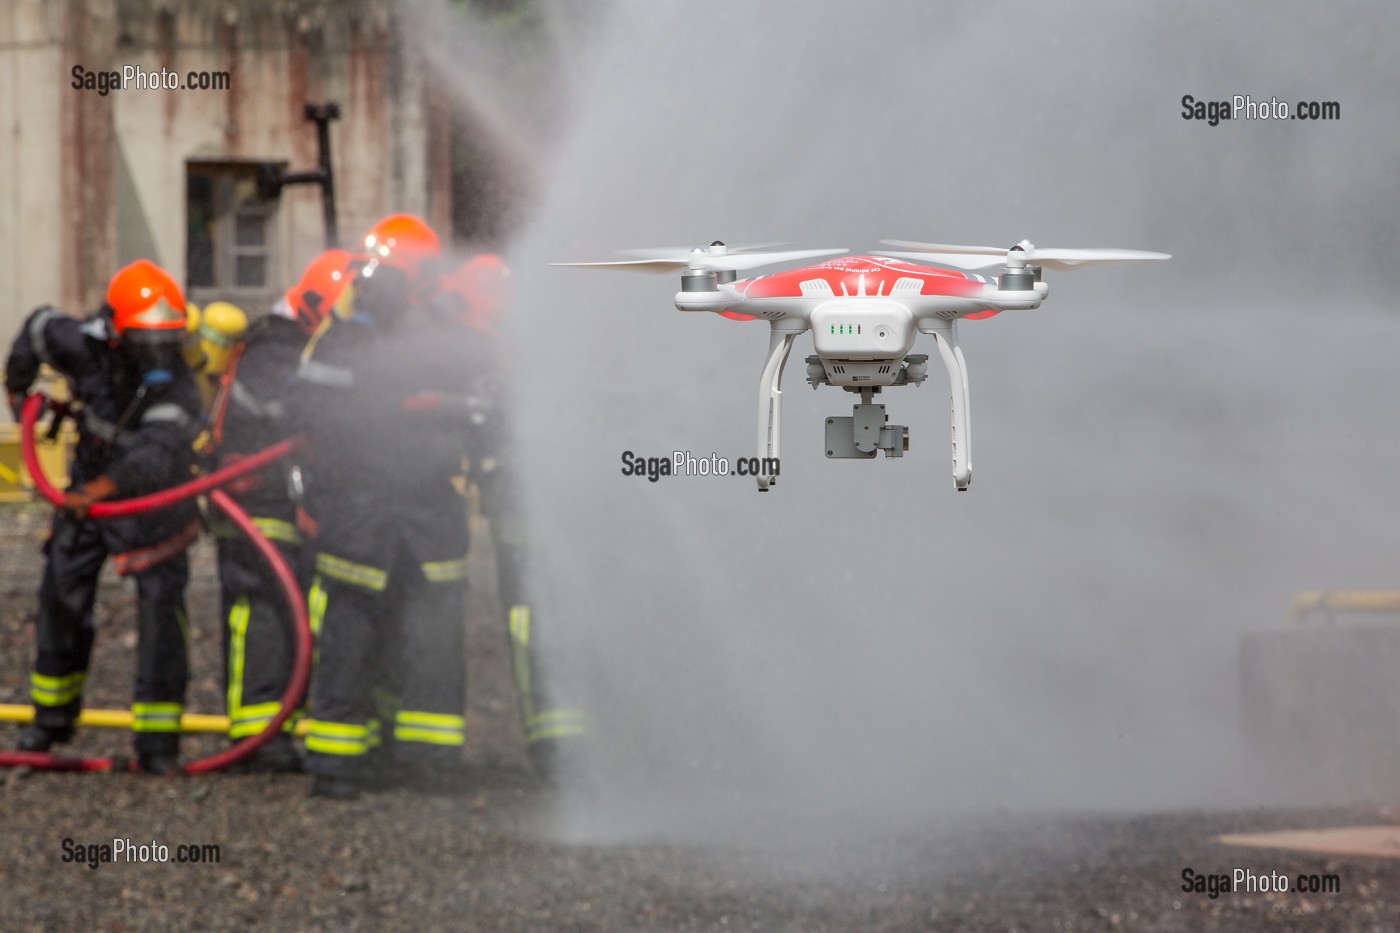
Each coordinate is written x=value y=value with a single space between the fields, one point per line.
x=486 y=859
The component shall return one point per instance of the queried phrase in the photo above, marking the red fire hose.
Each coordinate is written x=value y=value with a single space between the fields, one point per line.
x=301 y=665
x=34 y=408
x=301 y=630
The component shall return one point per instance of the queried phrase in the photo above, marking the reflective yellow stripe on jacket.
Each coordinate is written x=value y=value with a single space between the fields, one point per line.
x=445 y=571
x=278 y=530
x=361 y=575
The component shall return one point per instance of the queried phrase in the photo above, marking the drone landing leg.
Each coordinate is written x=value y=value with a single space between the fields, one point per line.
x=951 y=353
x=967 y=400
x=770 y=405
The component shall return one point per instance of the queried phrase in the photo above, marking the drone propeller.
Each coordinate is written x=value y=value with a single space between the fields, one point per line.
x=1020 y=255
x=627 y=265
x=667 y=252
x=715 y=257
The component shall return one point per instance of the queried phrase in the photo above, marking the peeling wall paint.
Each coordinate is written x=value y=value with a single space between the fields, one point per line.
x=87 y=181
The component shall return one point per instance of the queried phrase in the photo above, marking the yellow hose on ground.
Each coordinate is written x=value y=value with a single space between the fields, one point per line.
x=121 y=719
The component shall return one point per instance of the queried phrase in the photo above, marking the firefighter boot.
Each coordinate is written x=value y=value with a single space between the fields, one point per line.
x=158 y=762
x=277 y=756
x=334 y=788
x=37 y=738
x=158 y=752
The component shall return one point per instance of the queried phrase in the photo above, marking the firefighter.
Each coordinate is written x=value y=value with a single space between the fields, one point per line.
x=248 y=415
x=382 y=399
x=139 y=416
x=476 y=293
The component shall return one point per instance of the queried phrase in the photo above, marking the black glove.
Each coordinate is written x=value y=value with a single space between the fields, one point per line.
x=61 y=412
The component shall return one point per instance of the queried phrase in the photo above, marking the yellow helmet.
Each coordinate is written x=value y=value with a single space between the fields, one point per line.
x=221 y=326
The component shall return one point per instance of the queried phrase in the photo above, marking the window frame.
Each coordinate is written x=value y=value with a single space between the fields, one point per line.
x=226 y=250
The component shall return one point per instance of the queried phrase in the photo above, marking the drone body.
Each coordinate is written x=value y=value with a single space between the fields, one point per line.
x=864 y=313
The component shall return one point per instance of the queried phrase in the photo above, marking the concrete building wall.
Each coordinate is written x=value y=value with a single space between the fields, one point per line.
x=89 y=182
x=31 y=89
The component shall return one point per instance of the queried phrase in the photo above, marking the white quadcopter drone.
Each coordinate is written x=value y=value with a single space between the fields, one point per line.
x=864 y=313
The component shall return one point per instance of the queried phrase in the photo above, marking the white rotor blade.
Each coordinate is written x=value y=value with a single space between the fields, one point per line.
x=754 y=260
x=1067 y=259
x=957 y=260
x=630 y=265
x=676 y=252
x=982 y=257
x=946 y=248
x=689 y=259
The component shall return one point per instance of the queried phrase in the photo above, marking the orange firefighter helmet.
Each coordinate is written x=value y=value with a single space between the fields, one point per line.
x=483 y=284
x=143 y=296
x=403 y=242
x=311 y=299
